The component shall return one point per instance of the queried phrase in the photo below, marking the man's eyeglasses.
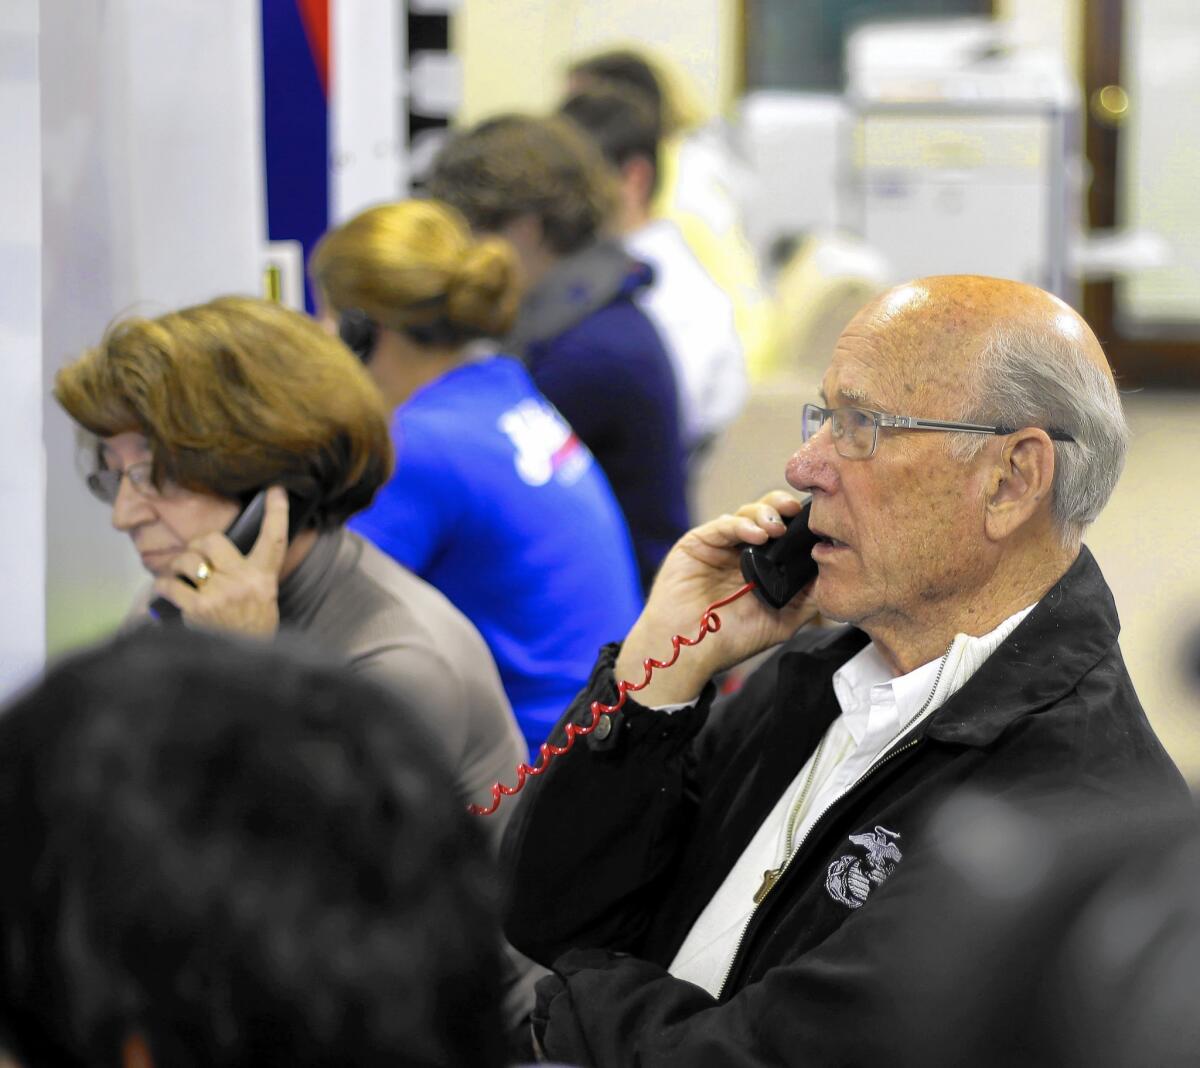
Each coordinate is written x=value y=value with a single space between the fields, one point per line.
x=856 y=430
x=105 y=482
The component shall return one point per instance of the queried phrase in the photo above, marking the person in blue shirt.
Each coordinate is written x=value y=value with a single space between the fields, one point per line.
x=494 y=499
x=543 y=186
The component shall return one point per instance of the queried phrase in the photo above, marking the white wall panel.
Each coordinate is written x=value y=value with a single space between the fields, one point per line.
x=366 y=104
x=22 y=475
x=153 y=195
x=1160 y=157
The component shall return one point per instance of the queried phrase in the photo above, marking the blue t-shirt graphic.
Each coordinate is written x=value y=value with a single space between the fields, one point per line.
x=498 y=504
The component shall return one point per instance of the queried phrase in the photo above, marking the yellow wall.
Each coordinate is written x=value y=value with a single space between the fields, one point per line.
x=514 y=52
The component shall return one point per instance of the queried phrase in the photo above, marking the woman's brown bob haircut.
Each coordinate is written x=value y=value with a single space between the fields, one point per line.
x=518 y=165
x=235 y=395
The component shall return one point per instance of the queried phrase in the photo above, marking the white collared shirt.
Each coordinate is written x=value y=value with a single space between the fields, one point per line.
x=696 y=321
x=877 y=711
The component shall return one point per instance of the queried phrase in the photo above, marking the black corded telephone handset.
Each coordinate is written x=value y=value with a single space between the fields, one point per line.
x=243 y=532
x=782 y=567
x=776 y=572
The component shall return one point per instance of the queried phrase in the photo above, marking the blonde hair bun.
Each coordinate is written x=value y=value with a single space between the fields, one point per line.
x=416 y=264
x=483 y=294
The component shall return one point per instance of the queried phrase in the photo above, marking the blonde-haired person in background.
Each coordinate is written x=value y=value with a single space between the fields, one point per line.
x=494 y=500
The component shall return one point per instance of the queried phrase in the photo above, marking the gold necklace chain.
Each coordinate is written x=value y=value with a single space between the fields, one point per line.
x=771 y=875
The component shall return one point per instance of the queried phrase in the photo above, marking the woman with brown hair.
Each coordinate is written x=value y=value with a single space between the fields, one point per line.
x=494 y=500
x=190 y=415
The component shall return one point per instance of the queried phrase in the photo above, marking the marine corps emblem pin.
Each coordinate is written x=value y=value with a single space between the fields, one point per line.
x=851 y=878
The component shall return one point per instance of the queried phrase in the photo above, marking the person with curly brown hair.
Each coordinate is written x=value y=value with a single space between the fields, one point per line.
x=544 y=187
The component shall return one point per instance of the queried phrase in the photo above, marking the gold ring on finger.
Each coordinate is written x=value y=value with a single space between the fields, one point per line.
x=203 y=574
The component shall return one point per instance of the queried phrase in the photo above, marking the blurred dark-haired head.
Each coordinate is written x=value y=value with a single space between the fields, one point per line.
x=623 y=125
x=620 y=67
x=238 y=856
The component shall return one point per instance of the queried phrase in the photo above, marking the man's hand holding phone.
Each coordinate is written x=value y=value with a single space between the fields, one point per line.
x=228 y=590
x=704 y=567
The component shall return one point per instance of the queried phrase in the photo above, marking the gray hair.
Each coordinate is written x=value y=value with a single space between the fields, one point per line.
x=1025 y=377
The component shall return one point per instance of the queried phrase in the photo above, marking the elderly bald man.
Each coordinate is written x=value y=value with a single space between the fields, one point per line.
x=720 y=883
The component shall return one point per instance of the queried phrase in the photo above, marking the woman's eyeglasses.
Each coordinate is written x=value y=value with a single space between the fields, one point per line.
x=105 y=482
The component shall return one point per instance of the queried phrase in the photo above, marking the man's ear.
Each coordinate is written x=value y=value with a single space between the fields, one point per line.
x=1021 y=482
x=135 y=1052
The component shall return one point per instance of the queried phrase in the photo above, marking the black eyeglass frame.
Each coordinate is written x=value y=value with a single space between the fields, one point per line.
x=907 y=422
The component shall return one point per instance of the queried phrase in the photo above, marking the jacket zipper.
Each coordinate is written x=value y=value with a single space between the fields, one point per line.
x=770 y=878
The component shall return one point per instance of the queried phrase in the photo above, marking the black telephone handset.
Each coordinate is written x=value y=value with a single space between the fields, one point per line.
x=243 y=532
x=776 y=571
x=782 y=567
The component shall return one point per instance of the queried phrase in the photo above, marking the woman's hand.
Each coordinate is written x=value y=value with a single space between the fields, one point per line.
x=704 y=567
x=226 y=590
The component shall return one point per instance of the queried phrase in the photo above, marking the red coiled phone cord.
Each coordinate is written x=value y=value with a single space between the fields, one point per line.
x=710 y=623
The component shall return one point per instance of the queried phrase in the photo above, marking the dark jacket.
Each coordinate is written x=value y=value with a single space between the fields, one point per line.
x=591 y=350
x=619 y=846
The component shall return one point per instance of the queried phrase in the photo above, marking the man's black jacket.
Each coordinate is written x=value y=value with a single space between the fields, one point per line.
x=618 y=847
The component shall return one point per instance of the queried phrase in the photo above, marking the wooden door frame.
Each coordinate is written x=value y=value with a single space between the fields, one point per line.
x=1159 y=359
